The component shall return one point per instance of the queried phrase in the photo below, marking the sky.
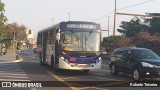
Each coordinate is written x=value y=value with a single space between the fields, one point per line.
x=39 y=14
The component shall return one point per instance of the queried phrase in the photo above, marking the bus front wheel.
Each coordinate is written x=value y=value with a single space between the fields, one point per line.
x=52 y=61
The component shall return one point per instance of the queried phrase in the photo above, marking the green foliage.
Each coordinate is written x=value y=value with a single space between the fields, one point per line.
x=153 y=24
x=132 y=28
x=20 y=31
x=145 y=40
x=137 y=25
x=110 y=43
x=142 y=39
x=3 y=19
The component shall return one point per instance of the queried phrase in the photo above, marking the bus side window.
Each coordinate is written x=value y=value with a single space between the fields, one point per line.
x=52 y=37
x=48 y=37
x=63 y=37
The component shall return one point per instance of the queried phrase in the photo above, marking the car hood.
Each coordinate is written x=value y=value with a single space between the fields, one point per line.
x=151 y=61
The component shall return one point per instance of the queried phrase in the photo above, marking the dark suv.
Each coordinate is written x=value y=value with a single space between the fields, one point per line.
x=139 y=62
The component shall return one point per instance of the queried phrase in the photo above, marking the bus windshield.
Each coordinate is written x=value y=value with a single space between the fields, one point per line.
x=80 y=41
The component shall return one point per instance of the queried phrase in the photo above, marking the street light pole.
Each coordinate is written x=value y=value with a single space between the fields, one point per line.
x=14 y=38
x=69 y=16
x=108 y=24
x=52 y=21
x=114 y=18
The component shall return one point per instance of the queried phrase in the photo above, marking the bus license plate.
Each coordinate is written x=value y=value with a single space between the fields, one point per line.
x=82 y=65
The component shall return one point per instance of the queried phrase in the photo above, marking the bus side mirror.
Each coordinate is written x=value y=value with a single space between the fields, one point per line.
x=103 y=52
x=58 y=36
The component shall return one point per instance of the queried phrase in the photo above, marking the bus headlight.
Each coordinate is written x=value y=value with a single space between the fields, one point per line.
x=62 y=58
x=66 y=60
x=98 y=60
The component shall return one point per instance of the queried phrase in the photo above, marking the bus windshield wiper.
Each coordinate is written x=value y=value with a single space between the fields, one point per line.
x=86 y=38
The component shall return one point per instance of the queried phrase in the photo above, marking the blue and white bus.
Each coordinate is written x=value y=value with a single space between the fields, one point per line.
x=71 y=45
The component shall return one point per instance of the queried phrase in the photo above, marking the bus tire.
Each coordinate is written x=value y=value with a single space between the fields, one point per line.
x=41 y=62
x=86 y=71
x=52 y=61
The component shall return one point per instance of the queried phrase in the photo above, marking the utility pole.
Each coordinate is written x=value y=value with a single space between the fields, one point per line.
x=52 y=21
x=69 y=16
x=14 y=38
x=114 y=27
x=108 y=24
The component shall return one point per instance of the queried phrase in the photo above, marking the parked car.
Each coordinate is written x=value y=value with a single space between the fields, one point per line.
x=139 y=62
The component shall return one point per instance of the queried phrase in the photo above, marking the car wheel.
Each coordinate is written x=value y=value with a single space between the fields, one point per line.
x=137 y=75
x=114 y=70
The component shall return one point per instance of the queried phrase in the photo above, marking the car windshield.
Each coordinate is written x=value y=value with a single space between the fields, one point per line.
x=81 y=41
x=145 y=54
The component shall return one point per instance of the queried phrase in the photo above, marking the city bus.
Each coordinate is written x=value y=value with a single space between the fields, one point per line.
x=73 y=45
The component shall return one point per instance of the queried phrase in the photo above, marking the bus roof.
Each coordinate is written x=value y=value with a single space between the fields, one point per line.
x=61 y=24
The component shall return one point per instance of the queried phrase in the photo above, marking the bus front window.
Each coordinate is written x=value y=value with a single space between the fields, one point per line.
x=81 y=41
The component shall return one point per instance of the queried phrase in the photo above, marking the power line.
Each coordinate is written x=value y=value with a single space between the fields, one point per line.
x=123 y=8
x=136 y=4
x=103 y=16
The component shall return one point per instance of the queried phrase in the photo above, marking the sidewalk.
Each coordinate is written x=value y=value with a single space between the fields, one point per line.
x=9 y=56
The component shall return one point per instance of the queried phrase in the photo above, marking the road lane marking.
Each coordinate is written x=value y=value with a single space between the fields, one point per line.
x=14 y=80
x=12 y=71
x=91 y=77
x=93 y=88
x=102 y=85
x=11 y=76
x=63 y=81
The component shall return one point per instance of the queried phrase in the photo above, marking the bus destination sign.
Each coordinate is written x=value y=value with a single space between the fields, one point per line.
x=84 y=26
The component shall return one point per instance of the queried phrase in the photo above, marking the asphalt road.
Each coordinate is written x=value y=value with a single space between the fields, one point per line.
x=29 y=69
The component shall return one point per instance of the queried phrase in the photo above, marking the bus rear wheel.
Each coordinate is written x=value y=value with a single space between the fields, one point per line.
x=41 y=62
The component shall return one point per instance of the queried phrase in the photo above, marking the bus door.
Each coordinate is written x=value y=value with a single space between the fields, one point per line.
x=50 y=47
x=57 y=49
x=44 y=46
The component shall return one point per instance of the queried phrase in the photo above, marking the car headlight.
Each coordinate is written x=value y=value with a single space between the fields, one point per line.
x=147 y=65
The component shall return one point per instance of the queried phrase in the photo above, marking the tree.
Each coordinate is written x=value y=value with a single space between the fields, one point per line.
x=132 y=28
x=135 y=26
x=3 y=19
x=20 y=31
x=145 y=40
x=110 y=43
x=153 y=24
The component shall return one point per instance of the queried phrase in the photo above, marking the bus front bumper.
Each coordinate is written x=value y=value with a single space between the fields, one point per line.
x=78 y=66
